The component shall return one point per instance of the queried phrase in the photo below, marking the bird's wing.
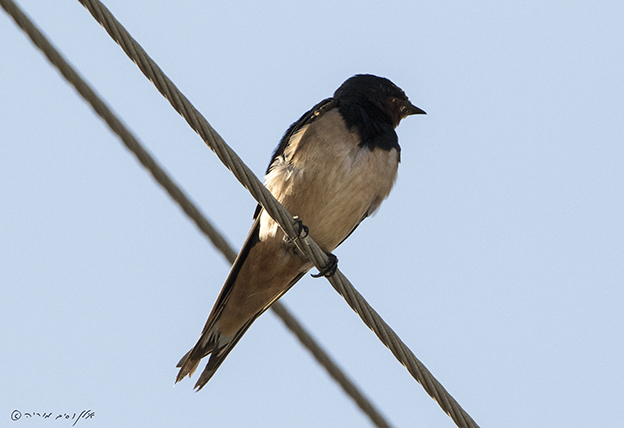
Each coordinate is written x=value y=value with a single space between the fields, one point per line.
x=207 y=343
x=218 y=355
x=307 y=118
x=209 y=339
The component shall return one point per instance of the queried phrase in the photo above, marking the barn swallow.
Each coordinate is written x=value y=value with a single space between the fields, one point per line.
x=332 y=169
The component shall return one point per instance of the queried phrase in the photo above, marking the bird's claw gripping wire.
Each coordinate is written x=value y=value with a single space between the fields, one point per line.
x=330 y=267
x=302 y=230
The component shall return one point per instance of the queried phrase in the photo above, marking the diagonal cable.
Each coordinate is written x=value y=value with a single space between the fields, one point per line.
x=189 y=208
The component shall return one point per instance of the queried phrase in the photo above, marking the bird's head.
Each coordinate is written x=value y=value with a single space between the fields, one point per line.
x=368 y=89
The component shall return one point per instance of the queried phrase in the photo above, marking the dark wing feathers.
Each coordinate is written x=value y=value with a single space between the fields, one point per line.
x=218 y=354
x=189 y=362
x=252 y=239
x=309 y=117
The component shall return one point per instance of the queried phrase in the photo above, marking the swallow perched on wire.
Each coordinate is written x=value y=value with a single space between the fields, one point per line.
x=332 y=169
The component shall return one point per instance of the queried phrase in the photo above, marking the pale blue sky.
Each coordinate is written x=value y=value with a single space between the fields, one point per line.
x=498 y=258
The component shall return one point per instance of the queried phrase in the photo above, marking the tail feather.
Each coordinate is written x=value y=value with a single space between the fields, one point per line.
x=181 y=362
x=216 y=359
x=219 y=347
x=187 y=366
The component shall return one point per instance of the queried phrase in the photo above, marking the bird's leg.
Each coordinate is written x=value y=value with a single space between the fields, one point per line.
x=302 y=230
x=330 y=267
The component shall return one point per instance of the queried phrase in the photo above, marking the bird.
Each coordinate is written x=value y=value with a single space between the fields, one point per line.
x=332 y=169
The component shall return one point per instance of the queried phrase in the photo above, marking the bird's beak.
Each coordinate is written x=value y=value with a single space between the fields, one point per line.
x=412 y=109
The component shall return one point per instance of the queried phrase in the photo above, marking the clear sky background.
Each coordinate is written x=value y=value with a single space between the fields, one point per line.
x=498 y=258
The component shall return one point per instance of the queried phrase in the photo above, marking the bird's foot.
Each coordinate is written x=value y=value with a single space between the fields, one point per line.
x=302 y=230
x=330 y=267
